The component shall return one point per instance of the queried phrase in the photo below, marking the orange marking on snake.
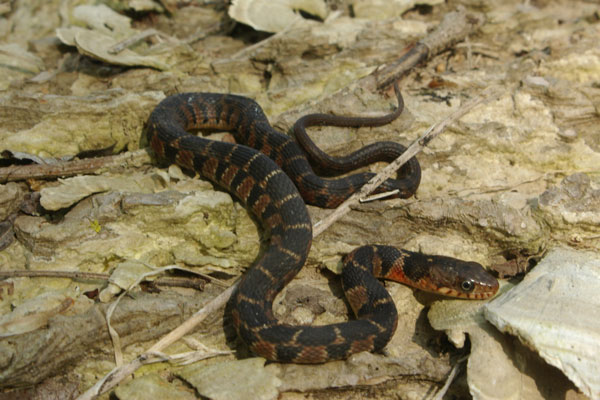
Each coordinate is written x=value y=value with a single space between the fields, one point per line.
x=362 y=345
x=311 y=354
x=229 y=174
x=245 y=187
x=261 y=204
x=265 y=349
x=210 y=167
x=185 y=159
x=357 y=297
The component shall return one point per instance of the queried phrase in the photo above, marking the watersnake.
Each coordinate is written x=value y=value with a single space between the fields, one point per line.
x=277 y=199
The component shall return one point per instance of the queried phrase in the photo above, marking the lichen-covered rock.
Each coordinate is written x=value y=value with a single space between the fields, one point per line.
x=119 y=223
x=55 y=125
x=11 y=196
x=572 y=206
x=241 y=379
x=153 y=386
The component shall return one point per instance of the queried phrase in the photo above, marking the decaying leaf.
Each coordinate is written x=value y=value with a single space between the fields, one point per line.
x=275 y=15
x=105 y=28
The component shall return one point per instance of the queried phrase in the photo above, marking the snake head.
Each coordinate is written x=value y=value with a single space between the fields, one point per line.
x=457 y=278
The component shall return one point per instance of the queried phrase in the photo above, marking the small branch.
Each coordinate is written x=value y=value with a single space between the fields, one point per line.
x=455 y=27
x=134 y=39
x=71 y=168
x=164 y=281
x=440 y=394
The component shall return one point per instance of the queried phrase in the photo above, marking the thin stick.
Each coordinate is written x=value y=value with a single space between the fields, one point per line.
x=454 y=27
x=93 y=276
x=71 y=168
x=440 y=394
x=134 y=39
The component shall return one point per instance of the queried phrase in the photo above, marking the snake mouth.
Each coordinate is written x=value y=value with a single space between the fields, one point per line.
x=450 y=292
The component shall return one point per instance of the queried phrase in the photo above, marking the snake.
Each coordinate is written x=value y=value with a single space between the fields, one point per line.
x=271 y=175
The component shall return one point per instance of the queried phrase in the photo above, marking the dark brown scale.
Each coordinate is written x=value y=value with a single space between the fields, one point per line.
x=260 y=184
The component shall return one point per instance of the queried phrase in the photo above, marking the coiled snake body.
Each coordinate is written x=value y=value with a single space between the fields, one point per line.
x=258 y=180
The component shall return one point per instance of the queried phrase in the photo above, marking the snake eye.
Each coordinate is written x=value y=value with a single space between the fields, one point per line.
x=467 y=286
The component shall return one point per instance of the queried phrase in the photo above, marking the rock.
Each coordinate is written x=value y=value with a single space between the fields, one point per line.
x=555 y=310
